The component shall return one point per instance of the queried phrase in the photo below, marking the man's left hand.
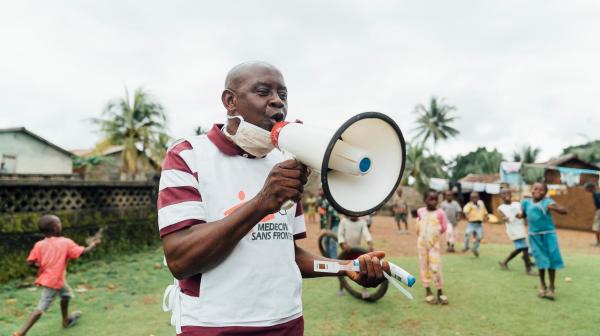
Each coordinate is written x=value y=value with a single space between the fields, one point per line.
x=371 y=270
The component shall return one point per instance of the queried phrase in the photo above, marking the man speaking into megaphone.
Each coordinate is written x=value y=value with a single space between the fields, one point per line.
x=225 y=238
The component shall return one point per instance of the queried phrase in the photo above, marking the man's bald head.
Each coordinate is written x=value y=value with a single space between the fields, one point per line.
x=241 y=72
x=256 y=92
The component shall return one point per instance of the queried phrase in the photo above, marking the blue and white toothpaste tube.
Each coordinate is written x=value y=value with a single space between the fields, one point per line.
x=397 y=273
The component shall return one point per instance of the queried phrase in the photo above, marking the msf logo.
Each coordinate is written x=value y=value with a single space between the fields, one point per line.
x=242 y=197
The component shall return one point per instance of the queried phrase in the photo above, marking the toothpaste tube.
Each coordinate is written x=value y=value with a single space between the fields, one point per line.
x=397 y=273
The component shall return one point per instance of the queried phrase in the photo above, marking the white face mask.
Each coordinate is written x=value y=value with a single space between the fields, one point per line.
x=251 y=138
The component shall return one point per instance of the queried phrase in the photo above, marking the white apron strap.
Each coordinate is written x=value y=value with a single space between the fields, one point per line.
x=172 y=303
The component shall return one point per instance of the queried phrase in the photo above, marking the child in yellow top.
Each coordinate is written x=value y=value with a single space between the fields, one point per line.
x=476 y=213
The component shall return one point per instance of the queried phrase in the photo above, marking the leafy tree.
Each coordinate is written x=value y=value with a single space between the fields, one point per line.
x=158 y=149
x=589 y=151
x=480 y=161
x=527 y=154
x=138 y=124
x=422 y=166
x=533 y=174
x=434 y=122
x=90 y=161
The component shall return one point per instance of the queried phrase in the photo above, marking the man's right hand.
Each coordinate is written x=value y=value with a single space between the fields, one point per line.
x=285 y=182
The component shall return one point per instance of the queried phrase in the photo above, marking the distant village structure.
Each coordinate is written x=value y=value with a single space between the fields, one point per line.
x=23 y=152
x=111 y=168
x=571 y=170
x=565 y=177
x=28 y=156
x=38 y=177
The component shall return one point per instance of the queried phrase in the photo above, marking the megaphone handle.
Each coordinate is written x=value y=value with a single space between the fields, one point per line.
x=287 y=205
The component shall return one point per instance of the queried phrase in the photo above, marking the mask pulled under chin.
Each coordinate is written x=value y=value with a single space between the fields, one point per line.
x=251 y=138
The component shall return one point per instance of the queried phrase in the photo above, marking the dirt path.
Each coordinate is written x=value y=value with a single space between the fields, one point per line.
x=386 y=237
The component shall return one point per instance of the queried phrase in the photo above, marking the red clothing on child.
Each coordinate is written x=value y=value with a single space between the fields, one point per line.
x=52 y=256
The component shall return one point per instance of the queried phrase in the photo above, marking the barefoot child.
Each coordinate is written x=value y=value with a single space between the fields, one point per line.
x=542 y=235
x=476 y=213
x=452 y=210
x=515 y=229
x=431 y=224
x=52 y=255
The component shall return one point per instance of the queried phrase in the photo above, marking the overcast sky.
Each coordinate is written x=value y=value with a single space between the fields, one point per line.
x=518 y=72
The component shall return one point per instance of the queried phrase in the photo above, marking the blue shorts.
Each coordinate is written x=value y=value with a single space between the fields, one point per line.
x=520 y=244
x=474 y=227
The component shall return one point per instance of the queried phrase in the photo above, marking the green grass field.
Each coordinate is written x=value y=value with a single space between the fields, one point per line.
x=124 y=298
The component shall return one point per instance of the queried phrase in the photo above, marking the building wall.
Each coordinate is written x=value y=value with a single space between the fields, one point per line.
x=581 y=209
x=34 y=156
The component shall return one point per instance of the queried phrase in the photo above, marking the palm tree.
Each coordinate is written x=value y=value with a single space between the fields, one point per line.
x=422 y=166
x=137 y=124
x=527 y=154
x=200 y=130
x=434 y=122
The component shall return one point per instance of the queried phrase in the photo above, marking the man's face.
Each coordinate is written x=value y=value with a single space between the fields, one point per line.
x=474 y=197
x=261 y=97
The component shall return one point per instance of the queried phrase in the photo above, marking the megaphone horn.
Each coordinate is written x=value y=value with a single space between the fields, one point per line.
x=361 y=164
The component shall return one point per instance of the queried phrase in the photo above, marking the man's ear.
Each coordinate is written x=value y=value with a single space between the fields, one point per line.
x=229 y=100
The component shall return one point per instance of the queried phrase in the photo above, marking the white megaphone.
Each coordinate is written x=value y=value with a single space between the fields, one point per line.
x=361 y=163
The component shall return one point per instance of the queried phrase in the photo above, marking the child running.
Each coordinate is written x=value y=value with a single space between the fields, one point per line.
x=52 y=255
x=542 y=235
x=476 y=213
x=431 y=224
x=452 y=210
x=515 y=229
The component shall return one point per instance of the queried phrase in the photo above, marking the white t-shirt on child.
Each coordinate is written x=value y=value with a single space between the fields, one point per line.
x=515 y=227
x=353 y=232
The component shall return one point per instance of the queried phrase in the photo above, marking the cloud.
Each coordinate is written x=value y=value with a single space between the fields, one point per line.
x=517 y=72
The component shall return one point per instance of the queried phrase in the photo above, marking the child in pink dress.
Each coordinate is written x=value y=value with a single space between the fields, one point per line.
x=431 y=224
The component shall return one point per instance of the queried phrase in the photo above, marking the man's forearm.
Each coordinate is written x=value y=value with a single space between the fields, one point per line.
x=201 y=247
x=306 y=263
